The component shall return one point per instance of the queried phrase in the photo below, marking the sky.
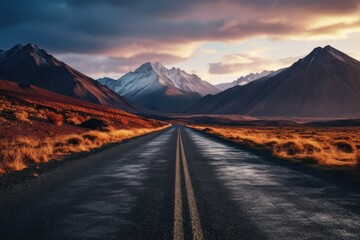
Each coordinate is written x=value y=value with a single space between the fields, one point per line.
x=219 y=40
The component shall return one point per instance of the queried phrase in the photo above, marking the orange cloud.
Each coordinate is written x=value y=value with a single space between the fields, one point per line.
x=244 y=63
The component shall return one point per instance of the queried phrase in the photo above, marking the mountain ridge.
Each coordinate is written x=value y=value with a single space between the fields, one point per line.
x=158 y=88
x=243 y=80
x=30 y=65
x=325 y=83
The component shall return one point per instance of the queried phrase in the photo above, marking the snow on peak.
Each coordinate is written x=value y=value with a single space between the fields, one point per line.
x=174 y=77
x=150 y=77
x=243 y=80
x=157 y=66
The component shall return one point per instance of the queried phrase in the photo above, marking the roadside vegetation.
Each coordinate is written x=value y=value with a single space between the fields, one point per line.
x=33 y=132
x=327 y=146
x=19 y=153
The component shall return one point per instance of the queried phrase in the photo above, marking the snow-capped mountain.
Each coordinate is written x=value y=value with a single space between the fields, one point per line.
x=324 y=84
x=30 y=65
x=243 y=80
x=155 y=87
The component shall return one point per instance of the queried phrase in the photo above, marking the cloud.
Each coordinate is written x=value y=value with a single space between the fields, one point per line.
x=98 y=26
x=244 y=63
x=128 y=29
x=236 y=63
x=105 y=66
x=337 y=28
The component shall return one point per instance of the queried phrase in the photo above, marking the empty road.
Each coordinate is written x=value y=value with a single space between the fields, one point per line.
x=181 y=184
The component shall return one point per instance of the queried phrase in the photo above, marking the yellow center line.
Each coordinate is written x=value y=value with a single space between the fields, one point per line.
x=178 y=218
x=194 y=214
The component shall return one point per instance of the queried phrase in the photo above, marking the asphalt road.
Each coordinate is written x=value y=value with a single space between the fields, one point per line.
x=181 y=184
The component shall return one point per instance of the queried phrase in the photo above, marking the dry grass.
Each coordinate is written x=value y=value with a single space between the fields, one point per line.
x=26 y=137
x=28 y=111
x=22 y=116
x=75 y=120
x=324 y=146
x=19 y=153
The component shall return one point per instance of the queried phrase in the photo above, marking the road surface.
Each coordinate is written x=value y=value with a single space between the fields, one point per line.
x=181 y=184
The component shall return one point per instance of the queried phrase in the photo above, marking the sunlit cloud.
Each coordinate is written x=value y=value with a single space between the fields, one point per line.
x=97 y=66
x=244 y=64
x=129 y=33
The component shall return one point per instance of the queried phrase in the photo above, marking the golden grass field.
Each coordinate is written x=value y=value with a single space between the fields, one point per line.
x=32 y=131
x=17 y=154
x=327 y=146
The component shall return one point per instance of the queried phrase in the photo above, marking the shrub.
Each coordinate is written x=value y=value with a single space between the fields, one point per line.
x=344 y=147
x=289 y=148
x=95 y=124
x=206 y=129
x=76 y=141
x=310 y=149
x=91 y=137
x=54 y=118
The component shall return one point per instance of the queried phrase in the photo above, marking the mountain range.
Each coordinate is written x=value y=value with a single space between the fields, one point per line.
x=243 y=80
x=156 y=87
x=324 y=84
x=29 y=65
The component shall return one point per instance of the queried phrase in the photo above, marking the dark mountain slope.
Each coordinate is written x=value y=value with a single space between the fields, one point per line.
x=30 y=65
x=326 y=83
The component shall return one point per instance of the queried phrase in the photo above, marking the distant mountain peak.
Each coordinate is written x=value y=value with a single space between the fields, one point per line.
x=148 y=66
x=31 y=46
x=324 y=84
x=326 y=49
x=40 y=56
x=157 y=64
x=15 y=49
x=324 y=55
x=154 y=86
x=243 y=80
x=30 y=64
x=33 y=53
x=18 y=46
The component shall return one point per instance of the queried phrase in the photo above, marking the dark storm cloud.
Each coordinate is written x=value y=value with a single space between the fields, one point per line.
x=91 y=26
x=115 y=28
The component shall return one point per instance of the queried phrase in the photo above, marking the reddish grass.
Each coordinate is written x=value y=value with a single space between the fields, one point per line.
x=57 y=119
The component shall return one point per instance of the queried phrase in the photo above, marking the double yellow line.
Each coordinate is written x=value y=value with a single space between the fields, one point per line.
x=178 y=205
